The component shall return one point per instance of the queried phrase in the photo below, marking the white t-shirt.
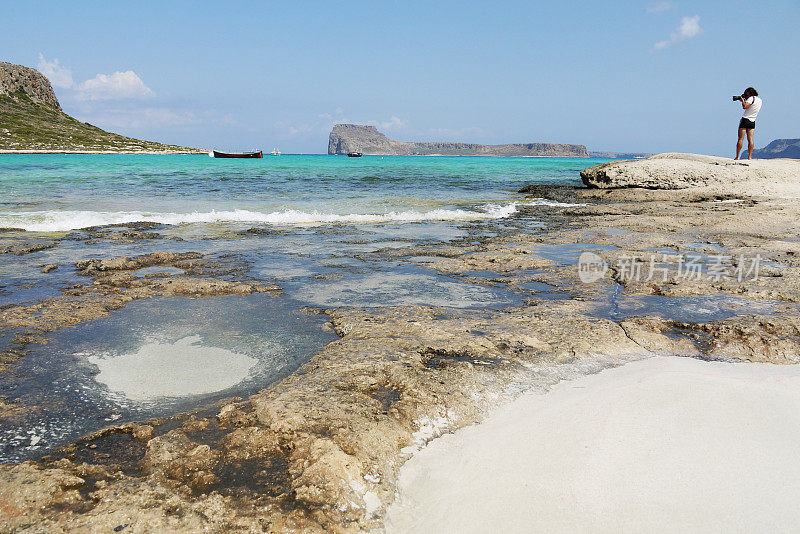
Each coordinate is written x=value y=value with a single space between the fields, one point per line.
x=752 y=112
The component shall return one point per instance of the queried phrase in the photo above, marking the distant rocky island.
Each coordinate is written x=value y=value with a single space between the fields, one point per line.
x=31 y=120
x=779 y=148
x=348 y=138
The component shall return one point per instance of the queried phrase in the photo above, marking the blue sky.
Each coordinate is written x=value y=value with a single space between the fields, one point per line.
x=626 y=76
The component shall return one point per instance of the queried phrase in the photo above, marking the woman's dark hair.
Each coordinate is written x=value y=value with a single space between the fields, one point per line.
x=750 y=91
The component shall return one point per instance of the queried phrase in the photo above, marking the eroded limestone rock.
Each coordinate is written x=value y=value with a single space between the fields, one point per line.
x=754 y=178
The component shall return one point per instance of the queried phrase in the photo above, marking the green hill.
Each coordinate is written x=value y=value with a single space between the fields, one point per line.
x=26 y=124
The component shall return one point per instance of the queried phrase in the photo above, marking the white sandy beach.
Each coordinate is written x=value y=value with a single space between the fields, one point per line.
x=665 y=444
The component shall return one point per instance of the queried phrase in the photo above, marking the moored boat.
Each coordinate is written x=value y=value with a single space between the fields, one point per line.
x=218 y=154
x=354 y=154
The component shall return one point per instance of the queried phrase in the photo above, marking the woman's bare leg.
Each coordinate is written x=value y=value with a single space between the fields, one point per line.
x=750 y=143
x=739 y=142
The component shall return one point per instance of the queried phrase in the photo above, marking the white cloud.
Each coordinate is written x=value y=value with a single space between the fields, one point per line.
x=102 y=87
x=392 y=124
x=114 y=86
x=659 y=7
x=293 y=130
x=114 y=118
x=59 y=76
x=336 y=116
x=452 y=134
x=227 y=120
x=688 y=29
x=288 y=129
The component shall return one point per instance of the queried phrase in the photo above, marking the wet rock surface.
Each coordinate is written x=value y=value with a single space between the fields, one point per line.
x=320 y=449
x=111 y=287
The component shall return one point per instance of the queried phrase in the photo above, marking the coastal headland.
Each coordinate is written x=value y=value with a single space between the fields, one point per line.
x=348 y=138
x=619 y=272
x=32 y=121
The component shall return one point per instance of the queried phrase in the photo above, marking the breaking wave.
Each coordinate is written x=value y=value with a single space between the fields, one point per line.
x=54 y=221
x=58 y=221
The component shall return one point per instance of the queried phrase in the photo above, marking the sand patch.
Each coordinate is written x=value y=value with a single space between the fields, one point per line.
x=664 y=444
x=172 y=370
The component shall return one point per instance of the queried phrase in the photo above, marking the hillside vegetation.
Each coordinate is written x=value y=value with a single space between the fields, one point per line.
x=26 y=124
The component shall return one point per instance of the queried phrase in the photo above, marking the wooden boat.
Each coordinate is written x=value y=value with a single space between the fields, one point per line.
x=354 y=154
x=218 y=154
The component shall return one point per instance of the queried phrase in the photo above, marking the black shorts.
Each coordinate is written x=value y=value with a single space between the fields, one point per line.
x=747 y=124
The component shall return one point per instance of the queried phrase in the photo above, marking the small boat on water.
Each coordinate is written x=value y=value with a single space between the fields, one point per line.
x=275 y=152
x=218 y=154
x=354 y=154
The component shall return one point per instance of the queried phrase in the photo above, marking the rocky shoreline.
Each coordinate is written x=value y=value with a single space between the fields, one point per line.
x=670 y=272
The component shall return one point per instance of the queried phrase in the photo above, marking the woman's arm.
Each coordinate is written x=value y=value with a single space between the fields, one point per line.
x=747 y=102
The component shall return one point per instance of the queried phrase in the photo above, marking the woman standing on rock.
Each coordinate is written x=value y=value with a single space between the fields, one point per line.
x=751 y=104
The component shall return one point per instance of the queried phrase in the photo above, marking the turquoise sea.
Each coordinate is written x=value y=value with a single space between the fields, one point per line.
x=331 y=232
x=66 y=192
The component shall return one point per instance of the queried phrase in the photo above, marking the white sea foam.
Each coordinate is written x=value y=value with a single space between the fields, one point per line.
x=552 y=203
x=54 y=221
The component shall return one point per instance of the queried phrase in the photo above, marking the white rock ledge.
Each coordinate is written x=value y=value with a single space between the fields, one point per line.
x=758 y=177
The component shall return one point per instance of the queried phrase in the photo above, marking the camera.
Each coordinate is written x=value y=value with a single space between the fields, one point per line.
x=735 y=98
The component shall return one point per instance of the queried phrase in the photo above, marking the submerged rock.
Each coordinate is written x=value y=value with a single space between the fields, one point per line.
x=114 y=286
x=92 y=266
x=22 y=249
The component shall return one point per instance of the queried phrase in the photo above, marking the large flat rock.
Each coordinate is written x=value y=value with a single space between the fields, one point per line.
x=769 y=178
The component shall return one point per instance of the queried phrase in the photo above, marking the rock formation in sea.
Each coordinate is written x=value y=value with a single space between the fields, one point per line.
x=31 y=119
x=346 y=138
x=779 y=148
x=716 y=175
